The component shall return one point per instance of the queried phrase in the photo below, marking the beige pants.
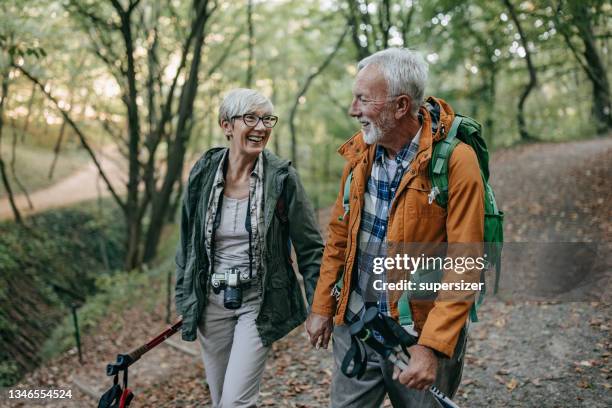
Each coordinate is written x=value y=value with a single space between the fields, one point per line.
x=234 y=356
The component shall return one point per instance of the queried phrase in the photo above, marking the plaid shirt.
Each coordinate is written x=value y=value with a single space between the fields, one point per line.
x=382 y=184
x=256 y=199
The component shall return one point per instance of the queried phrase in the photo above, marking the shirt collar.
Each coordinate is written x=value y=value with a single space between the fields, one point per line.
x=403 y=155
x=256 y=172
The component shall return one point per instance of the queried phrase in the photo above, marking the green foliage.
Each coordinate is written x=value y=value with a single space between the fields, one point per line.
x=114 y=294
x=9 y=372
x=54 y=262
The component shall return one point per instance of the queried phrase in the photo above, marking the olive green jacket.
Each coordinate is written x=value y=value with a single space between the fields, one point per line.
x=282 y=307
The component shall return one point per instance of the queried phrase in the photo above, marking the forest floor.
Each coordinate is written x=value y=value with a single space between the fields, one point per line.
x=524 y=352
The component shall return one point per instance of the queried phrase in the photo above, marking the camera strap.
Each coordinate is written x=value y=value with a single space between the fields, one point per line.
x=217 y=223
x=249 y=228
x=247 y=225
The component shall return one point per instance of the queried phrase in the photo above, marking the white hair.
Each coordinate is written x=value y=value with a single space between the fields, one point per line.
x=240 y=101
x=404 y=70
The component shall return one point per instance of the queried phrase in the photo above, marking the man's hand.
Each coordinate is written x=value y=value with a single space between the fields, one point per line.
x=421 y=372
x=319 y=329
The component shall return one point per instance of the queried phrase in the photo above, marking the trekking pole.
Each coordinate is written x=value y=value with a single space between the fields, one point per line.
x=168 y=296
x=121 y=397
x=395 y=347
x=126 y=360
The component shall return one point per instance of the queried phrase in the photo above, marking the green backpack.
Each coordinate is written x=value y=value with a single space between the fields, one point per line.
x=467 y=130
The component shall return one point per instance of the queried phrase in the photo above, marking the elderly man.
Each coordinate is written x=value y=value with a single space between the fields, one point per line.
x=390 y=203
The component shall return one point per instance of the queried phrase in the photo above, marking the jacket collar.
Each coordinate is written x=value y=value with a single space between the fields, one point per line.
x=436 y=116
x=213 y=157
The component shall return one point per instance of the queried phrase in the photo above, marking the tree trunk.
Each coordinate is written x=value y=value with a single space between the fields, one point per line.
x=598 y=75
x=489 y=129
x=176 y=202
x=250 y=45
x=525 y=136
x=132 y=217
x=275 y=139
x=579 y=17
x=176 y=155
x=354 y=20
x=3 y=175
x=9 y=193
x=13 y=163
x=26 y=122
x=60 y=139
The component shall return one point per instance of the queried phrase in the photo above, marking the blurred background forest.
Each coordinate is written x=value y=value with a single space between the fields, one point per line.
x=129 y=90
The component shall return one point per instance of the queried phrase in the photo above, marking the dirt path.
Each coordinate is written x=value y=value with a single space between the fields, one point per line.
x=85 y=184
x=523 y=353
x=547 y=354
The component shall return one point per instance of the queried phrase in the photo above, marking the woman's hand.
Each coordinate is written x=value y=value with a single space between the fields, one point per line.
x=319 y=329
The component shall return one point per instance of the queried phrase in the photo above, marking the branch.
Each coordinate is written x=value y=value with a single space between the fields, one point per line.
x=304 y=89
x=80 y=134
x=95 y=19
x=133 y=5
x=14 y=161
x=225 y=54
x=118 y=8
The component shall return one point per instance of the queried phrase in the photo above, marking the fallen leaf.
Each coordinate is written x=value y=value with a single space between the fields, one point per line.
x=512 y=384
x=584 y=384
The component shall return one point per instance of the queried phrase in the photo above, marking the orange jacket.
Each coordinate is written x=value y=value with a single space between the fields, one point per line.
x=411 y=220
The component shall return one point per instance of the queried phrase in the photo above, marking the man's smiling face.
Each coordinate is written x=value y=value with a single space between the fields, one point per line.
x=370 y=104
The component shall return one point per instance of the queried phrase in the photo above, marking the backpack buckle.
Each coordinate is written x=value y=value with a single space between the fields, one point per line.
x=433 y=194
x=335 y=292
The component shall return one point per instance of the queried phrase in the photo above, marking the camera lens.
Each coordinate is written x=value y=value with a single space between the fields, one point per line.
x=232 y=297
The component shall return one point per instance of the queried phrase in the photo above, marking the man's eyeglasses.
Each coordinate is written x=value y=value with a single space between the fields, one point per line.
x=252 y=120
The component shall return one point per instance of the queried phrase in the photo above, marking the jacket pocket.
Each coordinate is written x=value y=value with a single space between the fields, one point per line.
x=417 y=200
x=278 y=301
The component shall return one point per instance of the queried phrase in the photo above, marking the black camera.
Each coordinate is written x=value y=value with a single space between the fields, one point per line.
x=231 y=282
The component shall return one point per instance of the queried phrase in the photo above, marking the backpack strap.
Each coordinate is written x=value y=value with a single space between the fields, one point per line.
x=438 y=173
x=438 y=169
x=403 y=307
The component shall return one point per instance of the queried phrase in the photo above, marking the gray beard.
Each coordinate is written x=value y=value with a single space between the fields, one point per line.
x=373 y=135
x=376 y=132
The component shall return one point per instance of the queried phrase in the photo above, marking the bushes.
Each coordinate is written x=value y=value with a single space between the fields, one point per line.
x=44 y=268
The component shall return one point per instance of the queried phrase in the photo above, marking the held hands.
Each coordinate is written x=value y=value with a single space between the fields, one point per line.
x=319 y=329
x=421 y=372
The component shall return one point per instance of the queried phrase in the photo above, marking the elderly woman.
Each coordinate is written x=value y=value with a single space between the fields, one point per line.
x=235 y=285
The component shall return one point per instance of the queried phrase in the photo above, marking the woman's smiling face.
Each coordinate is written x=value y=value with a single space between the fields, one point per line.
x=244 y=139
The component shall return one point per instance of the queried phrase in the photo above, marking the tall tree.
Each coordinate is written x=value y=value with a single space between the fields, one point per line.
x=4 y=88
x=304 y=89
x=577 y=21
x=250 y=45
x=520 y=117
x=105 y=25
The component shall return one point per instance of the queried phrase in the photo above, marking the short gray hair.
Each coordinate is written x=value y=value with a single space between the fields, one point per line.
x=404 y=70
x=240 y=101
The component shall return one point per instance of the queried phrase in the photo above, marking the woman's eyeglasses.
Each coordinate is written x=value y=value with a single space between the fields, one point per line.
x=252 y=120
